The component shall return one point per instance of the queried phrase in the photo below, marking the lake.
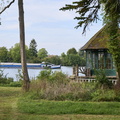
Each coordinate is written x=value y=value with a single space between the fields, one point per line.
x=34 y=72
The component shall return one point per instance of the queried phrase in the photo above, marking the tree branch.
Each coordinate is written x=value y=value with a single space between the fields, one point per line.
x=7 y=6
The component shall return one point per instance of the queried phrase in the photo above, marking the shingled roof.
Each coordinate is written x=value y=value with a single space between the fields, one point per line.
x=98 y=41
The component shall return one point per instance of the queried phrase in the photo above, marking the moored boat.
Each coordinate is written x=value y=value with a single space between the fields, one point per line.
x=18 y=65
x=30 y=65
x=51 y=66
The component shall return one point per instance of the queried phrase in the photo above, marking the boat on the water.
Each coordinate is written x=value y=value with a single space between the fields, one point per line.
x=30 y=65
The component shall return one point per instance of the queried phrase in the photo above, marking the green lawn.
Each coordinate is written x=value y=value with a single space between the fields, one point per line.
x=68 y=107
x=14 y=108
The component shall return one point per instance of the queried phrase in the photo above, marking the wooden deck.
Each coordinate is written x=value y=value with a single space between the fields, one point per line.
x=87 y=77
x=91 y=79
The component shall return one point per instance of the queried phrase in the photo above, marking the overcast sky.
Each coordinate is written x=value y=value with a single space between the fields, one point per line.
x=52 y=29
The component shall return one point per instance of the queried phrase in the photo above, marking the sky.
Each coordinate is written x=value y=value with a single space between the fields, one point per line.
x=51 y=28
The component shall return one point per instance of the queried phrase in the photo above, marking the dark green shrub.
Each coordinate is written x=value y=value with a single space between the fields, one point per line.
x=102 y=80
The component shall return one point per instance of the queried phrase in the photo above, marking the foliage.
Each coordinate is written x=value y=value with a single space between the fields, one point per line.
x=14 y=53
x=75 y=60
x=19 y=76
x=3 y=54
x=102 y=80
x=57 y=86
x=72 y=51
x=72 y=58
x=64 y=59
x=87 y=10
x=54 y=59
x=8 y=81
x=105 y=95
x=33 y=48
x=15 y=84
x=3 y=78
x=42 y=53
x=44 y=74
x=88 y=13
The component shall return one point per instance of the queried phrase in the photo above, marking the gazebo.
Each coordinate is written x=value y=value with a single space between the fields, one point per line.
x=98 y=55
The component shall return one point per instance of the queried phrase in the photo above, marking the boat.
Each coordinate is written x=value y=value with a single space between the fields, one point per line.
x=30 y=65
x=51 y=66
x=18 y=65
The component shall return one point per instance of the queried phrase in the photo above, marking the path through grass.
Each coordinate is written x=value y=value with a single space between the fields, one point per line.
x=9 y=111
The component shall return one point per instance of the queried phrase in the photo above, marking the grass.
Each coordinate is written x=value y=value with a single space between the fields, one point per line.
x=10 y=98
x=68 y=107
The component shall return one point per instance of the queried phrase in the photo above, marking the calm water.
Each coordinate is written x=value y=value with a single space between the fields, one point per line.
x=34 y=72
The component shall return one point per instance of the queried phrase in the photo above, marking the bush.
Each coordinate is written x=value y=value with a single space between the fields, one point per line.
x=8 y=81
x=102 y=80
x=4 y=79
x=44 y=74
x=57 y=86
x=105 y=95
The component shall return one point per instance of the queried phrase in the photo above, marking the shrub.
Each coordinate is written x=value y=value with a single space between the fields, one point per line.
x=105 y=95
x=102 y=80
x=44 y=74
x=19 y=76
x=4 y=79
x=57 y=86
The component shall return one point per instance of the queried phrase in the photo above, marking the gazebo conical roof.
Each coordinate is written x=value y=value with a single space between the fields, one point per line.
x=98 y=41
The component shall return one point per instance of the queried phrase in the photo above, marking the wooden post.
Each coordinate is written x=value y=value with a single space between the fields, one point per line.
x=77 y=70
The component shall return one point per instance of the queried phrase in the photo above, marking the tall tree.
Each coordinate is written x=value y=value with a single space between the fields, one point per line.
x=26 y=84
x=33 y=48
x=88 y=13
x=22 y=41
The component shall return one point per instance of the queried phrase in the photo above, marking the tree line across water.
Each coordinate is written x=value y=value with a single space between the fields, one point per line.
x=72 y=57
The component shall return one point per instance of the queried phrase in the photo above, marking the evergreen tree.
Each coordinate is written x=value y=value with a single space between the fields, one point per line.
x=33 y=48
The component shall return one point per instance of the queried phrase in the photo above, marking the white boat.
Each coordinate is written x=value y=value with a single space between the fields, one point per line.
x=51 y=66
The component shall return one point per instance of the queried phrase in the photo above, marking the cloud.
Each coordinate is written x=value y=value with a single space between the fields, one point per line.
x=42 y=12
x=52 y=29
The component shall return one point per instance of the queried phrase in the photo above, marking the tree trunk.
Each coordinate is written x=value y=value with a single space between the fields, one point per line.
x=26 y=80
